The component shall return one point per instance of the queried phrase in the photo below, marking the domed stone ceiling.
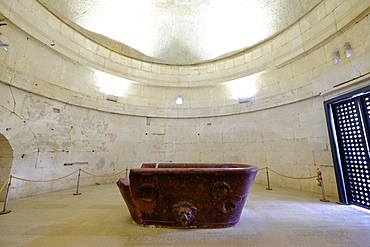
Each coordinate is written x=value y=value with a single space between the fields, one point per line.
x=179 y=31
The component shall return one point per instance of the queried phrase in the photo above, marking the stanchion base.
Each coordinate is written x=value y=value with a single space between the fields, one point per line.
x=76 y=194
x=324 y=200
x=5 y=212
x=268 y=189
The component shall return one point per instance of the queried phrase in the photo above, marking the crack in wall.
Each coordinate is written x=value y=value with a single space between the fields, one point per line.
x=24 y=121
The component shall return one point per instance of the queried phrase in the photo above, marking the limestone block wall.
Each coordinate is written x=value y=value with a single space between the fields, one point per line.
x=46 y=134
x=53 y=107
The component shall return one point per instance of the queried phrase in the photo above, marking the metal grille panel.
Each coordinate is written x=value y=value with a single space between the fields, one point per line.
x=353 y=148
x=364 y=169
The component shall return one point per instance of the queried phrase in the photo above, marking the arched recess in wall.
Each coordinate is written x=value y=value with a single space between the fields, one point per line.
x=21 y=142
x=6 y=160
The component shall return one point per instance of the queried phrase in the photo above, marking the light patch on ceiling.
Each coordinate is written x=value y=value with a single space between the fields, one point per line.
x=231 y=26
x=110 y=84
x=180 y=31
x=130 y=22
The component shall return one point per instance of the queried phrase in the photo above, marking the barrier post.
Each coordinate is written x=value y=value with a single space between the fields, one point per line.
x=268 y=179
x=78 y=183
x=7 y=197
x=320 y=183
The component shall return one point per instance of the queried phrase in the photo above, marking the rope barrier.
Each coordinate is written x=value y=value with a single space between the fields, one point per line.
x=41 y=181
x=103 y=176
x=290 y=176
x=318 y=178
x=264 y=168
x=7 y=182
x=7 y=197
x=2 y=187
x=51 y=180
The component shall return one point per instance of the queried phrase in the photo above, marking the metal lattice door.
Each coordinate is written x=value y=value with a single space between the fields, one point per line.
x=351 y=120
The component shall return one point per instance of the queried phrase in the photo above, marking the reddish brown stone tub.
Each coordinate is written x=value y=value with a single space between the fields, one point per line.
x=187 y=195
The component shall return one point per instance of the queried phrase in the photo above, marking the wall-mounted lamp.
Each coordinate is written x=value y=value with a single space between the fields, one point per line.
x=348 y=49
x=336 y=56
x=179 y=100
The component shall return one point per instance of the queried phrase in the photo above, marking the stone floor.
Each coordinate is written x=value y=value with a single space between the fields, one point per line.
x=99 y=217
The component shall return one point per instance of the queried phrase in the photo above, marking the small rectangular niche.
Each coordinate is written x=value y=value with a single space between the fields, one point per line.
x=111 y=97
x=179 y=100
x=76 y=163
x=243 y=100
x=348 y=49
x=336 y=56
x=56 y=110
